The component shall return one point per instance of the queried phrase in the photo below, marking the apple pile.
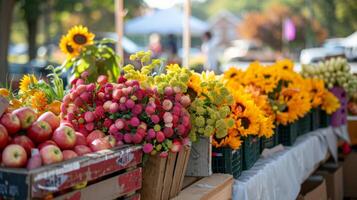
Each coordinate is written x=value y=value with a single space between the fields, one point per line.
x=109 y=114
x=30 y=141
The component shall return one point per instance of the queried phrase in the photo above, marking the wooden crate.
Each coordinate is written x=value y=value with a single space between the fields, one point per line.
x=59 y=177
x=200 y=163
x=214 y=187
x=108 y=189
x=163 y=177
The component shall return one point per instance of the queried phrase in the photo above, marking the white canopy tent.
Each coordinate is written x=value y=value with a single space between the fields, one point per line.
x=167 y=21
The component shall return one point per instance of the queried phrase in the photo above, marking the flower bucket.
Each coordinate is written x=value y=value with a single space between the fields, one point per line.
x=228 y=161
x=200 y=161
x=163 y=177
x=304 y=124
x=315 y=119
x=251 y=151
x=325 y=119
x=288 y=134
x=268 y=143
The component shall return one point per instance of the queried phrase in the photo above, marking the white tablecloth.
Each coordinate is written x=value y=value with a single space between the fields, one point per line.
x=279 y=176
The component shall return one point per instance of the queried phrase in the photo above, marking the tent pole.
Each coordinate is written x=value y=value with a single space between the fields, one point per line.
x=119 y=27
x=186 y=33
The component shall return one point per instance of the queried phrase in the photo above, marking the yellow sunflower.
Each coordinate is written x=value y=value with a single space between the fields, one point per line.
x=330 y=103
x=267 y=127
x=317 y=89
x=285 y=64
x=195 y=82
x=67 y=48
x=26 y=82
x=234 y=142
x=39 y=101
x=79 y=36
x=248 y=122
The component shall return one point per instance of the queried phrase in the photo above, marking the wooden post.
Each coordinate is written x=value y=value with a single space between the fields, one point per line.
x=119 y=27
x=186 y=33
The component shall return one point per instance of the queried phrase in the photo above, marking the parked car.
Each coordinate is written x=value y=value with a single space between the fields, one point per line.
x=331 y=47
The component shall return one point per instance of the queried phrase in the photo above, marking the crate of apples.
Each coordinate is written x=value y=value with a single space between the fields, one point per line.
x=30 y=141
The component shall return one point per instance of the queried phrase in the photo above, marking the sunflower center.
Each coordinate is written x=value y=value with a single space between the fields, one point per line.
x=267 y=76
x=285 y=67
x=233 y=75
x=69 y=48
x=314 y=90
x=241 y=107
x=286 y=109
x=79 y=39
x=245 y=122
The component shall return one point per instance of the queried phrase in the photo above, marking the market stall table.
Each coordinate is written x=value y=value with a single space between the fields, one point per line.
x=279 y=176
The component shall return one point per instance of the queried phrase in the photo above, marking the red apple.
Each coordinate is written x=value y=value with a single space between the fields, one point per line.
x=51 y=119
x=11 y=123
x=26 y=116
x=111 y=139
x=39 y=132
x=82 y=149
x=51 y=154
x=64 y=137
x=99 y=144
x=69 y=154
x=94 y=135
x=80 y=139
x=14 y=155
x=4 y=137
x=25 y=142
x=48 y=142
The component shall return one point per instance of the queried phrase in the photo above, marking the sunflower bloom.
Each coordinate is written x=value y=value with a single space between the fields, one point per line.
x=4 y=92
x=39 y=101
x=67 y=48
x=26 y=82
x=79 y=36
x=330 y=103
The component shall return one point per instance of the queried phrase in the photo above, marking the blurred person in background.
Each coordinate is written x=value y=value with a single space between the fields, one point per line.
x=155 y=45
x=209 y=50
x=171 y=49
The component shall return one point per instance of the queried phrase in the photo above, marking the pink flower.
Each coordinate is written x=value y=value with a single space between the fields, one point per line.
x=168 y=91
x=160 y=136
x=102 y=79
x=99 y=111
x=176 y=110
x=167 y=104
x=168 y=132
x=121 y=79
x=137 y=109
x=80 y=89
x=141 y=132
x=107 y=122
x=78 y=102
x=149 y=110
x=122 y=99
x=106 y=105
x=113 y=129
x=89 y=126
x=127 y=138
x=134 y=121
x=185 y=120
x=85 y=74
x=143 y=126
x=119 y=123
x=114 y=107
x=90 y=87
x=89 y=116
x=136 y=138
x=175 y=119
x=155 y=119
x=129 y=103
x=185 y=101
x=168 y=117
x=147 y=148
x=151 y=133
x=181 y=129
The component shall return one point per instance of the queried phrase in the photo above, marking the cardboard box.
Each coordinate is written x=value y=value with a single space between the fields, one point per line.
x=216 y=186
x=333 y=175
x=314 y=188
x=350 y=175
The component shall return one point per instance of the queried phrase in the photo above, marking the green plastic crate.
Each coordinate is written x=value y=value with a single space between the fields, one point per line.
x=325 y=119
x=269 y=142
x=315 y=119
x=228 y=161
x=304 y=124
x=288 y=134
x=251 y=151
